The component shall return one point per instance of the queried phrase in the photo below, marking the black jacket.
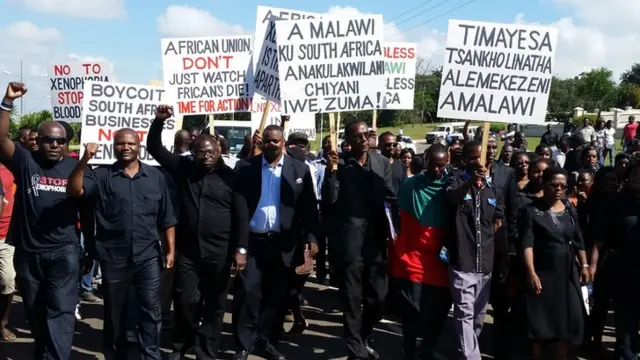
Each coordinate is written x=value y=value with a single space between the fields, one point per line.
x=299 y=216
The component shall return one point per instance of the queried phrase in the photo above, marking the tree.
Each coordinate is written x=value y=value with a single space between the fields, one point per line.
x=563 y=95
x=33 y=120
x=631 y=76
x=596 y=89
x=628 y=94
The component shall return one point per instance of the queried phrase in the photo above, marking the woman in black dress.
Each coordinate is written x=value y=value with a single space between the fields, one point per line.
x=551 y=239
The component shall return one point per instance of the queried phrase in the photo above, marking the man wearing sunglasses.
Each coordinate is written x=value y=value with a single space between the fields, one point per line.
x=43 y=231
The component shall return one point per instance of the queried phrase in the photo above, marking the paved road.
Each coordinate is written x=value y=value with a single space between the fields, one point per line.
x=322 y=341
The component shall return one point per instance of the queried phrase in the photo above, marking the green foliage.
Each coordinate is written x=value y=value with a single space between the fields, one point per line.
x=33 y=120
x=497 y=127
x=577 y=121
x=631 y=76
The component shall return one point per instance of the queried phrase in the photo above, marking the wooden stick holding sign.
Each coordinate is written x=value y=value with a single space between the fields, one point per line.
x=212 y=130
x=333 y=135
x=374 y=126
x=485 y=141
x=263 y=124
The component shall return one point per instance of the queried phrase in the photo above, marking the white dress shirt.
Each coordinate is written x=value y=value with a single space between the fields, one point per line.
x=266 y=218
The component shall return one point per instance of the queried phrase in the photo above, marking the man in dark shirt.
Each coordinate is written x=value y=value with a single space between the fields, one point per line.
x=213 y=224
x=283 y=212
x=387 y=146
x=549 y=138
x=617 y=232
x=478 y=210
x=44 y=232
x=360 y=191
x=132 y=204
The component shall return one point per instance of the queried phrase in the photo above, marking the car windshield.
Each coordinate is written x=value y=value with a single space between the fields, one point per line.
x=407 y=140
x=441 y=128
x=235 y=135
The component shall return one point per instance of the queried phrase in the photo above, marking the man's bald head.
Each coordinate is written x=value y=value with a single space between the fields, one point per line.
x=52 y=128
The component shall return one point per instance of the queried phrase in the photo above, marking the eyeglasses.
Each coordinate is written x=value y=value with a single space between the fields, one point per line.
x=390 y=145
x=46 y=139
x=203 y=154
x=558 y=186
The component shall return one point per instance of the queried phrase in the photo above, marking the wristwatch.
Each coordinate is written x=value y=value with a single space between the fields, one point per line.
x=241 y=251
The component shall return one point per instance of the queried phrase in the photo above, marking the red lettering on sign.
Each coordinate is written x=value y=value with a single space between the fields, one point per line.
x=70 y=97
x=202 y=63
x=61 y=70
x=92 y=69
x=399 y=53
x=187 y=107
x=105 y=134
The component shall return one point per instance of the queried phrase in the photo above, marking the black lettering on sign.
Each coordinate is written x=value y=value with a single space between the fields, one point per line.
x=506 y=38
x=125 y=121
x=491 y=104
x=332 y=88
x=499 y=60
x=127 y=92
x=348 y=69
x=73 y=83
x=67 y=112
x=497 y=81
x=208 y=46
x=266 y=84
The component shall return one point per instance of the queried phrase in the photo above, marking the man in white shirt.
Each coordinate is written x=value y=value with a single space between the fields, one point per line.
x=587 y=131
x=560 y=154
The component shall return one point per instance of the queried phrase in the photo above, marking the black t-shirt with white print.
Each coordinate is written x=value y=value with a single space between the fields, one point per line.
x=44 y=217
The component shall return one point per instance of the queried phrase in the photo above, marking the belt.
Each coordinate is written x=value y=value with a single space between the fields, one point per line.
x=267 y=235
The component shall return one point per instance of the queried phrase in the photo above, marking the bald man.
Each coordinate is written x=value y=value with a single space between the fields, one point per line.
x=44 y=232
x=132 y=204
x=182 y=142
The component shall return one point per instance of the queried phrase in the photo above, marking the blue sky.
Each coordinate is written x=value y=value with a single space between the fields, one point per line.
x=132 y=42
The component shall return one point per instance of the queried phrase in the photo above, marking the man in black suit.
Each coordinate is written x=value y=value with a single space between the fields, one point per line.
x=283 y=217
x=359 y=191
x=503 y=177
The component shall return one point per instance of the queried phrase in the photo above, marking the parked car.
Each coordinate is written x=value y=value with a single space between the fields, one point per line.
x=408 y=143
x=457 y=134
x=441 y=132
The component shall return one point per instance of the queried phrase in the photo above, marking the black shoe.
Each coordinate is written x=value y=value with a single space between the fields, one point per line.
x=303 y=301
x=241 y=355
x=270 y=353
x=298 y=328
x=373 y=354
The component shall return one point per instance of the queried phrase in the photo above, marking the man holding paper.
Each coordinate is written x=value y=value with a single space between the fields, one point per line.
x=360 y=192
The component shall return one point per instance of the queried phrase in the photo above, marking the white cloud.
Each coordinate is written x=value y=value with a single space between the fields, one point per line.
x=86 y=9
x=31 y=50
x=187 y=21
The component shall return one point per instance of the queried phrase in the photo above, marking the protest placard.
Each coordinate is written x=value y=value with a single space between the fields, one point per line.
x=265 y=80
x=400 y=72
x=109 y=107
x=301 y=123
x=209 y=75
x=331 y=64
x=66 y=84
x=497 y=72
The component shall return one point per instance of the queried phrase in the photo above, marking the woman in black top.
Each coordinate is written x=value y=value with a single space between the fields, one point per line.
x=603 y=193
x=551 y=238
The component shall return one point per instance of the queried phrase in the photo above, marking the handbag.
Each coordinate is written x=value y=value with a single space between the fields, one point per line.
x=307 y=267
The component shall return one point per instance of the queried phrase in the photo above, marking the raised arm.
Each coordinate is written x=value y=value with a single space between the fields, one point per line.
x=164 y=157
x=76 y=186
x=331 y=183
x=14 y=91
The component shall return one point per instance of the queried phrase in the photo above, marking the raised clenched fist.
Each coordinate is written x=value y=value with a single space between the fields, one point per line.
x=163 y=112
x=90 y=150
x=15 y=90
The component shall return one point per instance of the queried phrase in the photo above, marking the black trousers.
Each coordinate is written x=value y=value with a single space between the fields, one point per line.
x=323 y=252
x=202 y=286
x=363 y=288
x=261 y=290
x=627 y=312
x=604 y=286
x=424 y=309
x=144 y=278
x=48 y=284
